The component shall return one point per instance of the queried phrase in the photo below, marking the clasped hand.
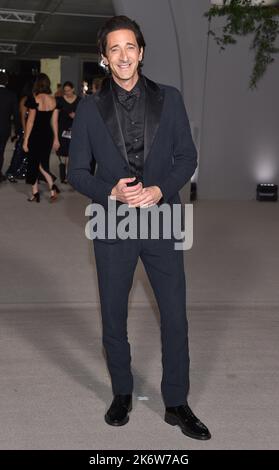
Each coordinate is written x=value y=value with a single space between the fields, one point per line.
x=136 y=196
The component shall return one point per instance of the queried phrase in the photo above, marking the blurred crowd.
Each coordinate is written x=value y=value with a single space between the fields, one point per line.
x=37 y=123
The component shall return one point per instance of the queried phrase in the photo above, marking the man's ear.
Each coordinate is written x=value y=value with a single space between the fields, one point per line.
x=104 y=59
x=141 y=54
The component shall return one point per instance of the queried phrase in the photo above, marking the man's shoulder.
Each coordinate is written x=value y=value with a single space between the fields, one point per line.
x=86 y=102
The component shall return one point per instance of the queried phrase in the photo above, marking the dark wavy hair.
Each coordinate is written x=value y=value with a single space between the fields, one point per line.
x=114 y=24
x=69 y=84
x=42 y=84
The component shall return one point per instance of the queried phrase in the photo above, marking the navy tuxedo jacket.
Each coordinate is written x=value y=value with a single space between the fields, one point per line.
x=170 y=157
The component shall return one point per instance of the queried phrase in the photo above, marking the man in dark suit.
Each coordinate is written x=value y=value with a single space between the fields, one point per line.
x=8 y=109
x=139 y=134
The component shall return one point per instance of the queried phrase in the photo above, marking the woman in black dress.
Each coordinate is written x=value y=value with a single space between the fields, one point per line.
x=67 y=105
x=41 y=136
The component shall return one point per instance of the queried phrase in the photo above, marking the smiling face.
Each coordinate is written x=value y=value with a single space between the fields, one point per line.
x=68 y=91
x=123 y=56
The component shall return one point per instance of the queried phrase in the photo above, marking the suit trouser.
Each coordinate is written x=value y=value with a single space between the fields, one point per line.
x=116 y=263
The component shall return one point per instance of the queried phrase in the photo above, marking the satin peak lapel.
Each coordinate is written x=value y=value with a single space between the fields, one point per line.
x=107 y=108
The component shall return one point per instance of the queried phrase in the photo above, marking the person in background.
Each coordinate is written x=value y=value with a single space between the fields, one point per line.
x=17 y=168
x=41 y=135
x=96 y=84
x=8 y=110
x=84 y=89
x=67 y=105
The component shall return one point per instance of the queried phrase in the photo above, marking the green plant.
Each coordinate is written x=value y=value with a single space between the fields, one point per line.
x=243 y=18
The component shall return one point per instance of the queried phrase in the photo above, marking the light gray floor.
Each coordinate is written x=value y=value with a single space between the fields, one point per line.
x=54 y=384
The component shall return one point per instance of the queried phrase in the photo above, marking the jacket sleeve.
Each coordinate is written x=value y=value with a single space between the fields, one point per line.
x=184 y=152
x=80 y=161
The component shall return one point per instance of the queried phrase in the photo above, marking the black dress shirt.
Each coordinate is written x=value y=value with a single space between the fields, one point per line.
x=130 y=107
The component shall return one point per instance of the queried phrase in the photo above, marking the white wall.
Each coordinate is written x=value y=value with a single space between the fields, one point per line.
x=52 y=68
x=161 y=62
x=71 y=70
x=234 y=128
x=240 y=138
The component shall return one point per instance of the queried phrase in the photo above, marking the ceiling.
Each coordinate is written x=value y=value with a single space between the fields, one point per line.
x=62 y=27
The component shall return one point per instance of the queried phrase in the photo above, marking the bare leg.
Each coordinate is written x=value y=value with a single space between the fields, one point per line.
x=53 y=189
x=35 y=188
x=35 y=193
x=49 y=179
x=47 y=176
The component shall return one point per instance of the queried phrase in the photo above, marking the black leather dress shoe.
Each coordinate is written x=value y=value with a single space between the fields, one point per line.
x=117 y=414
x=188 y=422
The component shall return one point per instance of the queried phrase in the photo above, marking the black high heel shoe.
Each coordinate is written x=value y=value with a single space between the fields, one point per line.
x=54 y=188
x=35 y=197
x=56 y=191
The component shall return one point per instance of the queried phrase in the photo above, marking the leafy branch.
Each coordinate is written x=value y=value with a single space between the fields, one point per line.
x=244 y=18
